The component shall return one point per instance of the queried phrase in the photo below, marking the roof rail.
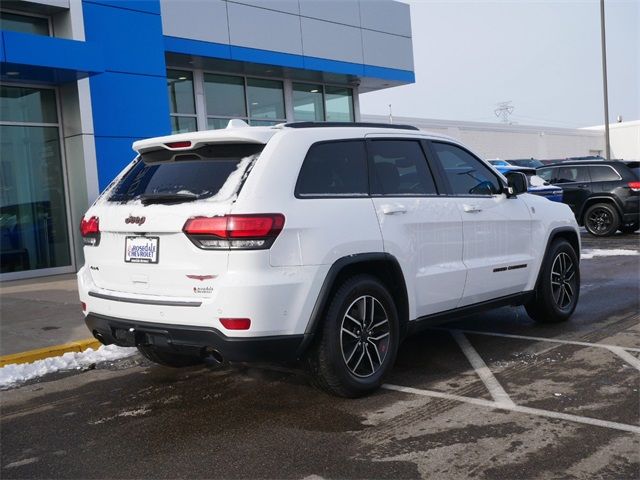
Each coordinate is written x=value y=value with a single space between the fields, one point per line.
x=349 y=124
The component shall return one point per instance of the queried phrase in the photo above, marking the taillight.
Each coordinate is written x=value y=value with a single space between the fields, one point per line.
x=634 y=186
x=236 y=323
x=239 y=232
x=84 y=306
x=90 y=230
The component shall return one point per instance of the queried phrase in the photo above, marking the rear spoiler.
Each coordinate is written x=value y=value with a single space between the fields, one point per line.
x=190 y=141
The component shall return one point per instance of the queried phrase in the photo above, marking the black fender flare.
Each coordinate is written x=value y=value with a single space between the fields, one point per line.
x=558 y=231
x=594 y=199
x=329 y=282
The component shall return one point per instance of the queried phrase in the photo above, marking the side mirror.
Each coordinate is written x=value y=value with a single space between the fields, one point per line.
x=518 y=183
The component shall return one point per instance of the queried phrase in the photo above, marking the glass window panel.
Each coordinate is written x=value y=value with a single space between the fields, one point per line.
x=339 y=103
x=400 y=168
x=266 y=99
x=183 y=124
x=21 y=104
x=217 y=123
x=24 y=23
x=33 y=217
x=307 y=103
x=225 y=95
x=180 y=90
x=603 y=173
x=334 y=168
x=572 y=175
x=466 y=174
x=264 y=123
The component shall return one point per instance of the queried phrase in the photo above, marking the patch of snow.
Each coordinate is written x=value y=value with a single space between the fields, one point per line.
x=18 y=373
x=231 y=186
x=589 y=253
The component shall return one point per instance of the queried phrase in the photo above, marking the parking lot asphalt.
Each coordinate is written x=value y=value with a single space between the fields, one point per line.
x=473 y=399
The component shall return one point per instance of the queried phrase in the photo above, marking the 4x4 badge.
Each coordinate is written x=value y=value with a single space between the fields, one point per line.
x=136 y=220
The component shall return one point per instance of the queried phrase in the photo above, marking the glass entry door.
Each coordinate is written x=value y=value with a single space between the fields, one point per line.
x=34 y=228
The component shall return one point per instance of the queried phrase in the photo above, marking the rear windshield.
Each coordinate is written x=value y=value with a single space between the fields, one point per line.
x=184 y=175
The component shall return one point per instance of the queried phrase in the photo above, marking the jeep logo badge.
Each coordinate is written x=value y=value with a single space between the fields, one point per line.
x=135 y=220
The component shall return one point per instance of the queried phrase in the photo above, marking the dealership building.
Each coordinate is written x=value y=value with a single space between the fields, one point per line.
x=82 y=79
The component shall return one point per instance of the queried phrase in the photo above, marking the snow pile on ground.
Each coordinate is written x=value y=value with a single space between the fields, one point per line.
x=589 y=253
x=18 y=373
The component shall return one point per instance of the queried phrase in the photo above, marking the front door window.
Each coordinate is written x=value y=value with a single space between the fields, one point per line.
x=34 y=230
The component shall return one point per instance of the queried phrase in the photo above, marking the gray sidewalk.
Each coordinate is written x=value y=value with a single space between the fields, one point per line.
x=40 y=313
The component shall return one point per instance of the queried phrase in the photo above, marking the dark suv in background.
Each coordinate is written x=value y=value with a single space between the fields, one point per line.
x=604 y=196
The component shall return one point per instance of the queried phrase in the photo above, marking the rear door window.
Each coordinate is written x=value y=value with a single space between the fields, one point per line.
x=603 y=173
x=165 y=175
x=574 y=174
x=334 y=169
x=400 y=168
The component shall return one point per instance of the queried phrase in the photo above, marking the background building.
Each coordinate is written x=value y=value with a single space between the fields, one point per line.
x=83 y=79
x=505 y=141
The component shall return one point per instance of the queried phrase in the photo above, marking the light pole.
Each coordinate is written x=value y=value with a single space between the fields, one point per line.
x=604 y=82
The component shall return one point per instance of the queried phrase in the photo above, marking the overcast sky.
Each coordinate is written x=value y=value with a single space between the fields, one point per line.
x=544 y=56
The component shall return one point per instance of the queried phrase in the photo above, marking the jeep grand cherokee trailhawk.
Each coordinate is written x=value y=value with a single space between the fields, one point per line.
x=325 y=243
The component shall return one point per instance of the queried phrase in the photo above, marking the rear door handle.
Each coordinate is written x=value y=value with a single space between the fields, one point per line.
x=471 y=208
x=394 y=209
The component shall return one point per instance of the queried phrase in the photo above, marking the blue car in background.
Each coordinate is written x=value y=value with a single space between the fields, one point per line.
x=537 y=185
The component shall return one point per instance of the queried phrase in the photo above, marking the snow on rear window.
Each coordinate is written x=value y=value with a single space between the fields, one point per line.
x=214 y=172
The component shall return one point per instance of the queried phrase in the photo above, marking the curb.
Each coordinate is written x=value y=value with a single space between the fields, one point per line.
x=53 y=351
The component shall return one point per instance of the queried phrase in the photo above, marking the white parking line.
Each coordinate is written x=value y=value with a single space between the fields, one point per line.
x=516 y=408
x=542 y=339
x=491 y=382
x=626 y=356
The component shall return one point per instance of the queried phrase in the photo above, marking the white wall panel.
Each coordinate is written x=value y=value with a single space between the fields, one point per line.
x=331 y=40
x=195 y=19
x=346 y=12
x=389 y=17
x=386 y=50
x=264 y=29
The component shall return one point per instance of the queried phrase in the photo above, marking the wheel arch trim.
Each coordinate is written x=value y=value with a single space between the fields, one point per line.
x=598 y=199
x=555 y=233
x=329 y=283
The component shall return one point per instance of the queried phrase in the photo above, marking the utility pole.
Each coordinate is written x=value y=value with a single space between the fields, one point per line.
x=504 y=110
x=604 y=82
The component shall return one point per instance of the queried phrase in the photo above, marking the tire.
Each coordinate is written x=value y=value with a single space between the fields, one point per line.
x=354 y=363
x=168 y=359
x=630 y=228
x=601 y=219
x=555 y=300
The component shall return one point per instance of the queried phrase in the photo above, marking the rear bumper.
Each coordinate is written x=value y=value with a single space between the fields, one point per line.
x=193 y=340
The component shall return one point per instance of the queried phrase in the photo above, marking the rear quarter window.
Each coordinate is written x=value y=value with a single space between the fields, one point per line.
x=603 y=173
x=334 y=169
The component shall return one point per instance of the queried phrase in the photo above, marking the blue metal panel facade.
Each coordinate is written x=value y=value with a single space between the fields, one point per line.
x=48 y=60
x=129 y=101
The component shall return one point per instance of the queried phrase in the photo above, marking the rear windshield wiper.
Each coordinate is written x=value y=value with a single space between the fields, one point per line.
x=148 y=198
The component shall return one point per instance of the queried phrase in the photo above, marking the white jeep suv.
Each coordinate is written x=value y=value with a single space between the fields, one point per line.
x=320 y=242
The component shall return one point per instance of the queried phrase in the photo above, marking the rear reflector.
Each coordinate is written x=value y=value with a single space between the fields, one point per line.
x=236 y=323
x=635 y=186
x=84 y=306
x=90 y=231
x=186 y=144
x=235 y=231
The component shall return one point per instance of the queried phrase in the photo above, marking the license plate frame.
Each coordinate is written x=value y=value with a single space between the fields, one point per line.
x=152 y=241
